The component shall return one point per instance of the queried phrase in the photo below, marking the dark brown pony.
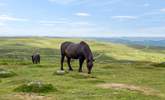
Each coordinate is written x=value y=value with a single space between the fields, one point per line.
x=79 y=51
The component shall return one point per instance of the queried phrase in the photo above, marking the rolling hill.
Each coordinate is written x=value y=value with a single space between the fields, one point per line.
x=121 y=71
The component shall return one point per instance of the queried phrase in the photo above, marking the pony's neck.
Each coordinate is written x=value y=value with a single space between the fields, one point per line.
x=89 y=57
x=88 y=53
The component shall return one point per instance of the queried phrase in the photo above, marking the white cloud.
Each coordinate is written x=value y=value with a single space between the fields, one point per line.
x=2 y=4
x=125 y=17
x=162 y=10
x=10 y=18
x=82 y=14
x=4 y=19
x=73 y=29
x=2 y=24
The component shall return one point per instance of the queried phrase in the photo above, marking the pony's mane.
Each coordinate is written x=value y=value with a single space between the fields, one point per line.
x=83 y=43
x=86 y=48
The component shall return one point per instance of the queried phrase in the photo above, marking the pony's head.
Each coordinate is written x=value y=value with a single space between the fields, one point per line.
x=90 y=65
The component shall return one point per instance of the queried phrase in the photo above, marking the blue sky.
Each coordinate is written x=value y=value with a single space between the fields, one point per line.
x=86 y=18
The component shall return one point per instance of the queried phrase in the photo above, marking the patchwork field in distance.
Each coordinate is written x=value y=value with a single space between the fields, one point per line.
x=120 y=72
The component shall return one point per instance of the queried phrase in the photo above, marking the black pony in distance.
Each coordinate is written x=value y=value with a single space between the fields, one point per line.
x=35 y=58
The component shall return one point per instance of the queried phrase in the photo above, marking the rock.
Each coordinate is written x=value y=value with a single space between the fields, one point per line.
x=60 y=72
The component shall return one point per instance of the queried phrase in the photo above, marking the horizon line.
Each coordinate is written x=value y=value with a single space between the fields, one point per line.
x=82 y=36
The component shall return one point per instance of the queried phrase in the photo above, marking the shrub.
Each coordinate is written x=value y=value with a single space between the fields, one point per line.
x=159 y=64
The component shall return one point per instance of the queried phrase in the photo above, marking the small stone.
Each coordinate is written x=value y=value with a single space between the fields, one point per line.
x=60 y=72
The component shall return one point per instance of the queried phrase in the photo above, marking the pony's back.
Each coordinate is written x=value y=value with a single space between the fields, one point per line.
x=64 y=45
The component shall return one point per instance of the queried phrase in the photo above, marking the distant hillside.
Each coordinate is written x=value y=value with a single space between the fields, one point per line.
x=144 y=41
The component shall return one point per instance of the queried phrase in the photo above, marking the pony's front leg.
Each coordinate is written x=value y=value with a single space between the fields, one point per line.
x=68 y=61
x=81 y=61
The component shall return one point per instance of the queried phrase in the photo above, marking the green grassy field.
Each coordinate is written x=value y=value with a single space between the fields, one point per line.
x=137 y=68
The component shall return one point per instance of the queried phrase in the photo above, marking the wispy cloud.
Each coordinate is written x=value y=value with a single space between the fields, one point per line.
x=62 y=1
x=82 y=23
x=125 y=17
x=91 y=3
x=2 y=4
x=65 y=22
x=152 y=31
x=155 y=12
x=83 y=14
x=102 y=3
x=146 y=5
x=58 y=27
x=53 y=22
x=72 y=2
x=10 y=18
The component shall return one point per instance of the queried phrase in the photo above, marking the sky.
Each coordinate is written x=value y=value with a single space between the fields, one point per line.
x=82 y=18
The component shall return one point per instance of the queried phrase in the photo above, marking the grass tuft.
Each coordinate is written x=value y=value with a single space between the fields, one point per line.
x=5 y=73
x=36 y=87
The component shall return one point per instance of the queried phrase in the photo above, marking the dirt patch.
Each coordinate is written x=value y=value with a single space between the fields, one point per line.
x=83 y=76
x=28 y=96
x=144 y=90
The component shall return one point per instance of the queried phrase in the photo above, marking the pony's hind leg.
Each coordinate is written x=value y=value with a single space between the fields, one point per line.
x=62 y=61
x=69 y=65
x=33 y=60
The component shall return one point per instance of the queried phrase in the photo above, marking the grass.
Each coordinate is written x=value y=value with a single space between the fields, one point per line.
x=118 y=63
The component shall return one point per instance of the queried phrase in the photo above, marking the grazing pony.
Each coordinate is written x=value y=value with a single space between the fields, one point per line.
x=79 y=51
x=35 y=58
